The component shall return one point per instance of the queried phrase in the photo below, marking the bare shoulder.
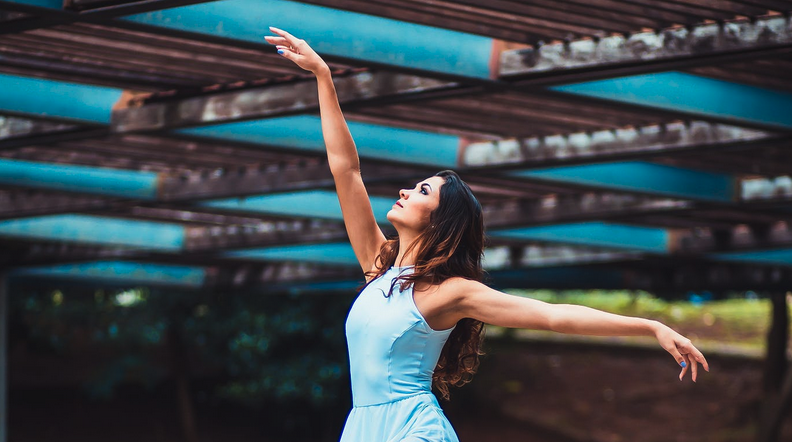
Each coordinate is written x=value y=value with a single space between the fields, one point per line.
x=458 y=288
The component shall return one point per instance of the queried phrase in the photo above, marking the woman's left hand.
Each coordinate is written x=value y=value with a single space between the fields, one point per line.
x=682 y=350
x=296 y=50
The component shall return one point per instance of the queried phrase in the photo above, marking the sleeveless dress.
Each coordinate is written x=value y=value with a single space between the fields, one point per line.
x=392 y=355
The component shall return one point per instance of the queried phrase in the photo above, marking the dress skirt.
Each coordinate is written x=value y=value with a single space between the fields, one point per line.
x=417 y=418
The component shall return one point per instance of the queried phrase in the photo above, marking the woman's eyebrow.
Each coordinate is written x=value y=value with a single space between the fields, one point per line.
x=427 y=185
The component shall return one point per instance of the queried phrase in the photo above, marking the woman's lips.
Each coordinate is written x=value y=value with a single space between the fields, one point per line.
x=398 y=204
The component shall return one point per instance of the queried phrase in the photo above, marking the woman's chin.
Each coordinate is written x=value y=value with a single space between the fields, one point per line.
x=392 y=216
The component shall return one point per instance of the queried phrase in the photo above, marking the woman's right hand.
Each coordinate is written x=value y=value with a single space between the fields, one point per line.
x=297 y=50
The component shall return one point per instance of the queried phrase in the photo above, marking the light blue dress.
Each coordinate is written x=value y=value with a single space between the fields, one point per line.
x=392 y=355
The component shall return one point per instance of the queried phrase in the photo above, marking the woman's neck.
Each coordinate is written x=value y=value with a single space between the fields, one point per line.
x=404 y=259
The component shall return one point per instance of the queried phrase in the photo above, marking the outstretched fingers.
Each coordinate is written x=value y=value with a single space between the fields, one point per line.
x=273 y=40
x=290 y=39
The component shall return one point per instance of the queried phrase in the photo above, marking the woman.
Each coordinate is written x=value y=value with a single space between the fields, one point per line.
x=419 y=319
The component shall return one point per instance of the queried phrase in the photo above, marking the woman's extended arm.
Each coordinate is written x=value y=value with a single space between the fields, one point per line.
x=493 y=307
x=364 y=234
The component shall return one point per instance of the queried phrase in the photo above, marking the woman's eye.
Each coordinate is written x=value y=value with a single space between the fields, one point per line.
x=423 y=191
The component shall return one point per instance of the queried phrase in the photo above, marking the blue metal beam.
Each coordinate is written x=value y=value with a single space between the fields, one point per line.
x=102 y=273
x=594 y=234
x=311 y=204
x=368 y=38
x=304 y=132
x=104 y=231
x=695 y=95
x=645 y=177
x=779 y=257
x=71 y=178
x=57 y=99
x=419 y=147
x=47 y=4
x=332 y=253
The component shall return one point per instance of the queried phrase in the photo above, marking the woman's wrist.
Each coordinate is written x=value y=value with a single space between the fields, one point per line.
x=322 y=71
x=654 y=327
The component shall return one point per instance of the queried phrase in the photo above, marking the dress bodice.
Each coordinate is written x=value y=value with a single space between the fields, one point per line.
x=392 y=350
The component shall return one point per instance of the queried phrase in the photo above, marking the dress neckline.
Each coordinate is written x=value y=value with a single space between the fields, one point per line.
x=402 y=267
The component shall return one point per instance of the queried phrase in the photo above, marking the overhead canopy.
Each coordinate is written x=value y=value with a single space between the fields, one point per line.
x=610 y=144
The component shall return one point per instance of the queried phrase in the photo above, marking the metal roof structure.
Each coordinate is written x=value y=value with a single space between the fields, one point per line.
x=613 y=143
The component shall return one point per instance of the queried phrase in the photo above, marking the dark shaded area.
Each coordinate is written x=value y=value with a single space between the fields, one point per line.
x=141 y=364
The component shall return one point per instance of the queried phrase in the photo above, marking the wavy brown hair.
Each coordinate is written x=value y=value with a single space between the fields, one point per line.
x=451 y=245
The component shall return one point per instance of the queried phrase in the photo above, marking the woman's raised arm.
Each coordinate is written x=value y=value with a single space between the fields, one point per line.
x=364 y=233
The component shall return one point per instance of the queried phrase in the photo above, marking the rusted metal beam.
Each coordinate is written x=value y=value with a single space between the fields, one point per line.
x=262 y=276
x=767 y=190
x=670 y=48
x=536 y=212
x=502 y=257
x=612 y=145
x=267 y=101
x=14 y=127
x=25 y=203
x=265 y=234
x=307 y=174
x=256 y=180
x=579 y=207
x=16 y=254
x=764 y=236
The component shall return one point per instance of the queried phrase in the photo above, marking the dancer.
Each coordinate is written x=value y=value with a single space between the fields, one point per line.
x=419 y=319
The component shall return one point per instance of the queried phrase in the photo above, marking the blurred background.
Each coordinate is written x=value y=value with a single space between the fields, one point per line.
x=173 y=265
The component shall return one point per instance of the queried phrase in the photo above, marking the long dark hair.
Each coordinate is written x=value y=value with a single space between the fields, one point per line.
x=451 y=245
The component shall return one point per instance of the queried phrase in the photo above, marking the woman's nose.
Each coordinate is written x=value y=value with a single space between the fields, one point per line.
x=403 y=194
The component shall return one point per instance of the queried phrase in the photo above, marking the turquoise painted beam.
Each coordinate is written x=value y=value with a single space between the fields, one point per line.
x=778 y=257
x=332 y=253
x=118 y=272
x=97 y=230
x=47 y=4
x=645 y=177
x=57 y=99
x=304 y=132
x=593 y=234
x=694 y=95
x=334 y=32
x=418 y=147
x=72 y=178
x=311 y=204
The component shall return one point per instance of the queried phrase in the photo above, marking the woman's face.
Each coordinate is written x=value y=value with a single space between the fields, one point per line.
x=415 y=206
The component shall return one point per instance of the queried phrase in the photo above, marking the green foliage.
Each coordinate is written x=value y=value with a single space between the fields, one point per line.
x=264 y=348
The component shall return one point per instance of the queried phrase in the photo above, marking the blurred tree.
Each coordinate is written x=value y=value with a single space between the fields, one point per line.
x=276 y=353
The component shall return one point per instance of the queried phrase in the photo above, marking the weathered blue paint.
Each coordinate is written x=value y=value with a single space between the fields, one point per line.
x=692 y=94
x=71 y=178
x=595 y=234
x=119 y=272
x=309 y=204
x=779 y=257
x=97 y=230
x=562 y=277
x=49 y=4
x=331 y=253
x=334 y=32
x=304 y=132
x=348 y=286
x=57 y=99
x=426 y=148
x=638 y=176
